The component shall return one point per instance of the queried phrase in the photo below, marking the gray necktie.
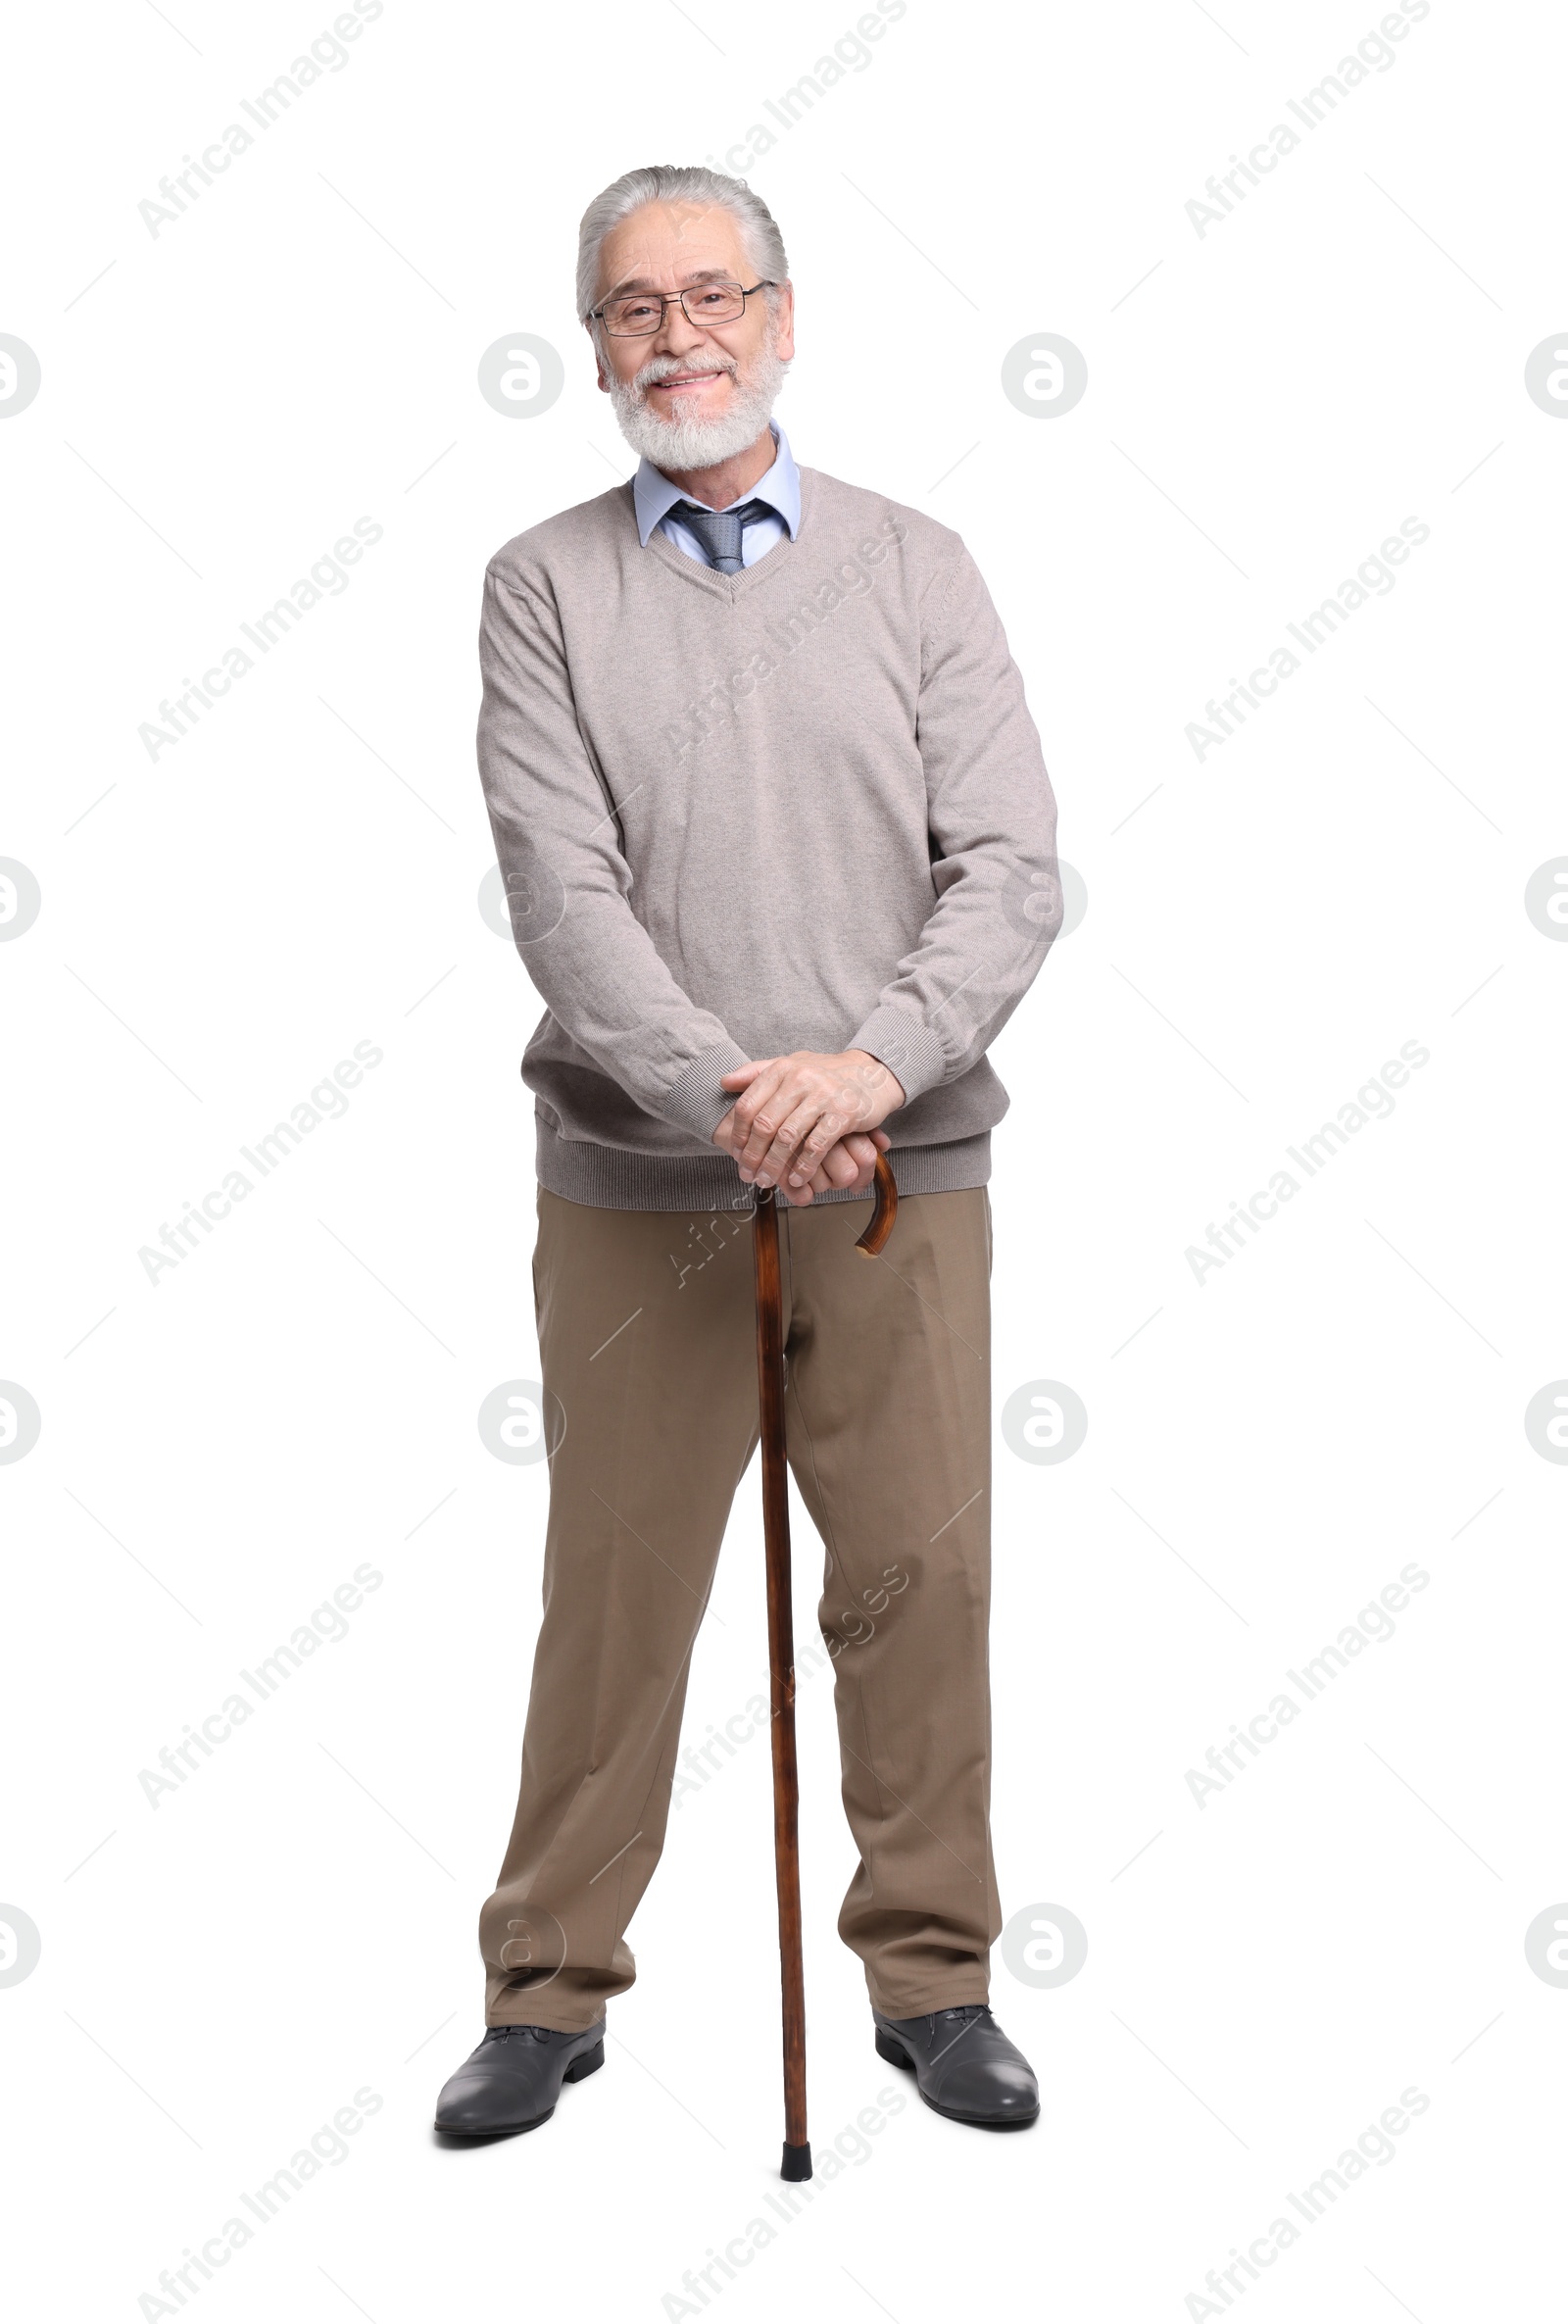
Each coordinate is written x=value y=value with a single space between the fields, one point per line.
x=720 y=530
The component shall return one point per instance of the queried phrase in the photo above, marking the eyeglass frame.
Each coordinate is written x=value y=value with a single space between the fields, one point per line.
x=670 y=298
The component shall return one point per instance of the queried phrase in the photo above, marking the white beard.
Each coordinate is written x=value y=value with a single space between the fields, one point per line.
x=684 y=444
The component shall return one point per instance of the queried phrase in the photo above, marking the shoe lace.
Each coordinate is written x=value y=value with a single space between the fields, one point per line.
x=967 y=2014
x=500 y=2032
x=964 y=2013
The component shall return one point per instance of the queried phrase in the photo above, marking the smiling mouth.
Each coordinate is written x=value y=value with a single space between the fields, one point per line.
x=677 y=379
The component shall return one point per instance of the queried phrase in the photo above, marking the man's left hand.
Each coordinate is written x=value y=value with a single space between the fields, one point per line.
x=795 y=1107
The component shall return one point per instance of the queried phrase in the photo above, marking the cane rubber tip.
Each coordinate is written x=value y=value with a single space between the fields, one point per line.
x=796 y=2162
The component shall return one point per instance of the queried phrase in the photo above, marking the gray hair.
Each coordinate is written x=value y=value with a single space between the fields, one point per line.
x=663 y=182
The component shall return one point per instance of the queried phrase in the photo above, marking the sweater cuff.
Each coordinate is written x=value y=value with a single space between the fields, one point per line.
x=906 y=1045
x=694 y=1100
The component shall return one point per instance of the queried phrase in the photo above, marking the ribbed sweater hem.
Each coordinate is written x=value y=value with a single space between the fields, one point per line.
x=614 y=1178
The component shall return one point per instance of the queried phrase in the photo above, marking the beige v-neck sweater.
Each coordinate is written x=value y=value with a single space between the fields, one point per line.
x=798 y=807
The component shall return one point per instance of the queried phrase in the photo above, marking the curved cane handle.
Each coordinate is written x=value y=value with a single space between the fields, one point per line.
x=884 y=1210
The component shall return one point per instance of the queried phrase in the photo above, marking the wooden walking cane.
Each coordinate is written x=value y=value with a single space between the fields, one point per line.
x=781 y=1637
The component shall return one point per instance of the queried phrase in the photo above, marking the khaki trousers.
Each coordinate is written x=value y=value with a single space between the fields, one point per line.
x=647 y=1335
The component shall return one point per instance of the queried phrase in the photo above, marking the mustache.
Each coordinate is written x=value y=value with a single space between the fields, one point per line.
x=663 y=367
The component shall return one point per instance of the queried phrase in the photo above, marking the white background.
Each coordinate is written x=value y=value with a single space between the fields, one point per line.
x=1346 y=1921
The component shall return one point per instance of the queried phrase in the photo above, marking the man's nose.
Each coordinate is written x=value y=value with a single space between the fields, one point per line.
x=678 y=335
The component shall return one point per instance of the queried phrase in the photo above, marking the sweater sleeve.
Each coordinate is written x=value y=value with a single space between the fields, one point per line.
x=568 y=884
x=992 y=821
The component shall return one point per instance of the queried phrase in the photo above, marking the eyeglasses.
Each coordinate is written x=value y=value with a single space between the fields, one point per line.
x=641 y=312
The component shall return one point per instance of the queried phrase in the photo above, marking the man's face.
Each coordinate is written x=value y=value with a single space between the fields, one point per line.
x=703 y=374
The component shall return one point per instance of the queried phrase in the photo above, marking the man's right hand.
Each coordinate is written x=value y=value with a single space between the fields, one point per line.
x=851 y=1163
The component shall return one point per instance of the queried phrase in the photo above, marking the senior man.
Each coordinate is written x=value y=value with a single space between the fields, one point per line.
x=779 y=850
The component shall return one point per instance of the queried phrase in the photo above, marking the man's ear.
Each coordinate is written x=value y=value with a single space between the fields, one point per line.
x=784 y=326
x=599 y=360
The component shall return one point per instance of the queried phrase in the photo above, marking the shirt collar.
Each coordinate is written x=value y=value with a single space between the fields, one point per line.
x=654 y=495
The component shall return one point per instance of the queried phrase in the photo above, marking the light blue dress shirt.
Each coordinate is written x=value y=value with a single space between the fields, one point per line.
x=655 y=496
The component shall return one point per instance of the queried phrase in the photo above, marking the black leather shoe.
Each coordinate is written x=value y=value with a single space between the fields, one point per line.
x=964 y=2065
x=512 y=2080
